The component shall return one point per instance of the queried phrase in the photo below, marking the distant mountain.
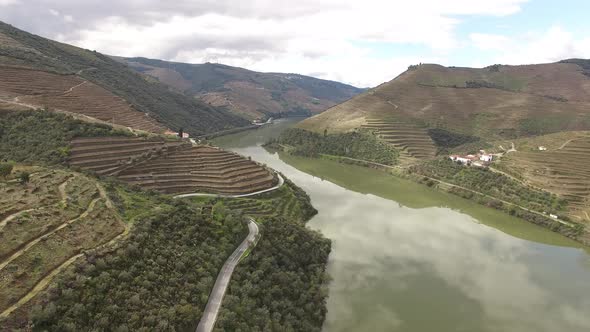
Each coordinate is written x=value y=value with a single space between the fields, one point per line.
x=38 y=72
x=496 y=102
x=247 y=93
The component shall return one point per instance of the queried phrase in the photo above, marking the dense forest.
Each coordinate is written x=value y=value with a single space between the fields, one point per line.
x=159 y=279
x=43 y=137
x=281 y=285
x=173 y=109
x=357 y=144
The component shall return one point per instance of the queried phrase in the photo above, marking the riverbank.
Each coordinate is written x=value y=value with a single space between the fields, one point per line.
x=574 y=231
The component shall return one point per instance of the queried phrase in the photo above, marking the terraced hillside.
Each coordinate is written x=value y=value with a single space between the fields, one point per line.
x=410 y=138
x=70 y=93
x=563 y=171
x=244 y=92
x=497 y=102
x=282 y=203
x=200 y=169
x=173 y=167
x=171 y=109
x=111 y=155
x=45 y=225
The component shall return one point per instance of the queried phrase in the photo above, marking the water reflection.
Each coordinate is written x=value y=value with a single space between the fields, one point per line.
x=397 y=268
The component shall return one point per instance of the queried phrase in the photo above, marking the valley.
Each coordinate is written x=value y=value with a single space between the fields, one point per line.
x=403 y=250
x=250 y=94
x=430 y=112
x=139 y=194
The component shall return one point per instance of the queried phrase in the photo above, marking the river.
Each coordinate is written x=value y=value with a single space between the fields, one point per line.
x=409 y=258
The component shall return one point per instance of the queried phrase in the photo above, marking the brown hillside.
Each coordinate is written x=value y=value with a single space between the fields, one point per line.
x=562 y=169
x=494 y=103
x=37 y=89
x=247 y=93
x=172 y=167
x=137 y=92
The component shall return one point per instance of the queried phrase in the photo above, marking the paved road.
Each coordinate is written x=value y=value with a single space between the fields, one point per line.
x=216 y=297
x=281 y=182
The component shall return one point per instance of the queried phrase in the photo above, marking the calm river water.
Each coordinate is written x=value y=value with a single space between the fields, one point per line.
x=409 y=258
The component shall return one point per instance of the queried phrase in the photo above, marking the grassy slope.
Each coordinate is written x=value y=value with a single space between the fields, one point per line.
x=522 y=100
x=246 y=92
x=171 y=108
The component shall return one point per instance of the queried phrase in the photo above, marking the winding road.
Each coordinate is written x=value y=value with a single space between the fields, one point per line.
x=209 y=317
x=281 y=182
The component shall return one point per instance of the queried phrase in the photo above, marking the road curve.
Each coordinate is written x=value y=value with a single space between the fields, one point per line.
x=209 y=317
x=281 y=182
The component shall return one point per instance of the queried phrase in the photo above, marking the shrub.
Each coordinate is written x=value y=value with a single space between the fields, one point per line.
x=5 y=169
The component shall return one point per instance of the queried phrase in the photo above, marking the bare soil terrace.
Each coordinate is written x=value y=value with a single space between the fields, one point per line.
x=562 y=170
x=45 y=225
x=70 y=93
x=172 y=167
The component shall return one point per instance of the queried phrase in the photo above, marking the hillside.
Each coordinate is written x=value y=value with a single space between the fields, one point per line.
x=244 y=92
x=431 y=109
x=496 y=102
x=37 y=72
x=69 y=240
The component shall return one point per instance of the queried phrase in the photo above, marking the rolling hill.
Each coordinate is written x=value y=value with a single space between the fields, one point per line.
x=492 y=103
x=36 y=72
x=244 y=92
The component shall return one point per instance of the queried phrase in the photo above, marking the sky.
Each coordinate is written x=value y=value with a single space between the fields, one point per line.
x=363 y=43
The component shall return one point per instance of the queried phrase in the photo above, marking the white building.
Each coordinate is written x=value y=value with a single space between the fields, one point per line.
x=486 y=158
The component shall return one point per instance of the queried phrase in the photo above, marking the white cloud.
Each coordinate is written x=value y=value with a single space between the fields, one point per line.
x=8 y=2
x=551 y=45
x=309 y=34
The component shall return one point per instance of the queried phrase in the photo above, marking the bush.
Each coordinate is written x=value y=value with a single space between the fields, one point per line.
x=5 y=169
x=24 y=177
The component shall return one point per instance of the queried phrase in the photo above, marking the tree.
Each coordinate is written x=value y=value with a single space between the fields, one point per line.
x=24 y=178
x=5 y=169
